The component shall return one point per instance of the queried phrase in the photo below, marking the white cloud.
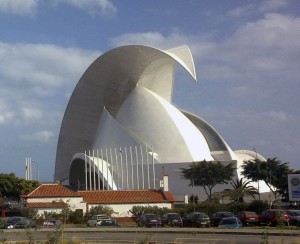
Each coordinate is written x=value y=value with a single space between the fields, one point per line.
x=153 y=39
x=242 y=11
x=261 y=7
x=272 y=5
x=40 y=136
x=31 y=113
x=19 y=7
x=29 y=7
x=6 y=117
x=93 y=7
x=32 y=72
x=258 y=50
x=41 y=68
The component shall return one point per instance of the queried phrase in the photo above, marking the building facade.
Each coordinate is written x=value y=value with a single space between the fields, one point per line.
x=120 y=130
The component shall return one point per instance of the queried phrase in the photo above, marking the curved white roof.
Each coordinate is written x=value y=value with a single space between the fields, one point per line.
x=106 y=84
x=123 y=100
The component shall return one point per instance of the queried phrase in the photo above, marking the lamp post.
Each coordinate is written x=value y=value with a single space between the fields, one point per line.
x=37 y=169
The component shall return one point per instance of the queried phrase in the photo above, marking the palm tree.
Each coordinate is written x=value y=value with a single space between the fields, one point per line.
x=240 y=190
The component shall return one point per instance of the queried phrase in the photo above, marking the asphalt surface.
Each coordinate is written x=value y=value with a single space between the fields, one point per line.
x=162 y=235
x=246 y=231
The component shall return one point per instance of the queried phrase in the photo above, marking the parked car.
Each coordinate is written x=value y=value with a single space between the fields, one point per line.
x=96 y=220
x=274 y=217
x=171 y=219
x=216 y=217
x=248 y=217
x=294 y=217
x=149 y=220
x=109 y=223
x=19 y=223
x=196 y=219
x=230 y=222
x=51 y=223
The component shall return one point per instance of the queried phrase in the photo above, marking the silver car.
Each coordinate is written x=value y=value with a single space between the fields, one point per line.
x=96 y=220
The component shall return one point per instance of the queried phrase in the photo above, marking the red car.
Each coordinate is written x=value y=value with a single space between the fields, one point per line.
x=274 y=217
x=248 y=217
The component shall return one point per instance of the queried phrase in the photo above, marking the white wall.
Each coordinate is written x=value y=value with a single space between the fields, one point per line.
x=122 y=210
x=74 y=203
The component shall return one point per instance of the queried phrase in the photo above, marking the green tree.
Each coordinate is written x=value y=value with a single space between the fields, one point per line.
x=26 y=186
x=12 y=186
x=241 y=189
x=272 y=171
x=76 y=217
x=7 y=185
x=208 y=175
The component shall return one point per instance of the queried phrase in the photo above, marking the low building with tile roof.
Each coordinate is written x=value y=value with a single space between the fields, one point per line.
x=54 y=197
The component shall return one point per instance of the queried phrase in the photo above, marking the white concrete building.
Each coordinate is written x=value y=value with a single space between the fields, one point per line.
x=53 y=197
x=120 y=130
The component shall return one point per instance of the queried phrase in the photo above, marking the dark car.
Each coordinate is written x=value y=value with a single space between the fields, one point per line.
x=274 y=217
x=172 y=219
x=149 y=220
x=216 y=217
x=19 y=223
x=248 y=217
x=196 y=219
x=294 y=216
x=52 y=223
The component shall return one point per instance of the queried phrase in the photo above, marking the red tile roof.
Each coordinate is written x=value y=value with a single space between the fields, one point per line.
x=126 y=196
x=45 y=204
x=51 y=190
x=169 y=196
x=101 y=197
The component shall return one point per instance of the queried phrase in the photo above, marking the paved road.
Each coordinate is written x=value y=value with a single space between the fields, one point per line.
x=163 y=235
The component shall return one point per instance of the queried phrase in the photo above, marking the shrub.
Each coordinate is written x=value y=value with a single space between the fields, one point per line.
x=76 y=217
x=100 y=209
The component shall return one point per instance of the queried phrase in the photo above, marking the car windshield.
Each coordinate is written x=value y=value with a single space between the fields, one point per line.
x=252 y=214
x=151 y=216
x=173 y=216
x=228 y=221
x=228 y=214
x=295 y=213
x=102 y=217
x=201 y=215
x=13 y=220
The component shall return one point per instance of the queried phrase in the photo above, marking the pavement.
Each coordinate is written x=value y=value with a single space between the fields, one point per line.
x=271 y=231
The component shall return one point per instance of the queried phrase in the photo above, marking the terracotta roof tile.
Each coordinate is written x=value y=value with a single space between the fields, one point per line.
x=51 y=190
x=45 y=205
x=170 y=196
x=125 y=196
x=101 y=197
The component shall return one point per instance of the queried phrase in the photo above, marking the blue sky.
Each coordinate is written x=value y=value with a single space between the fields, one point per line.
x=246 y=53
